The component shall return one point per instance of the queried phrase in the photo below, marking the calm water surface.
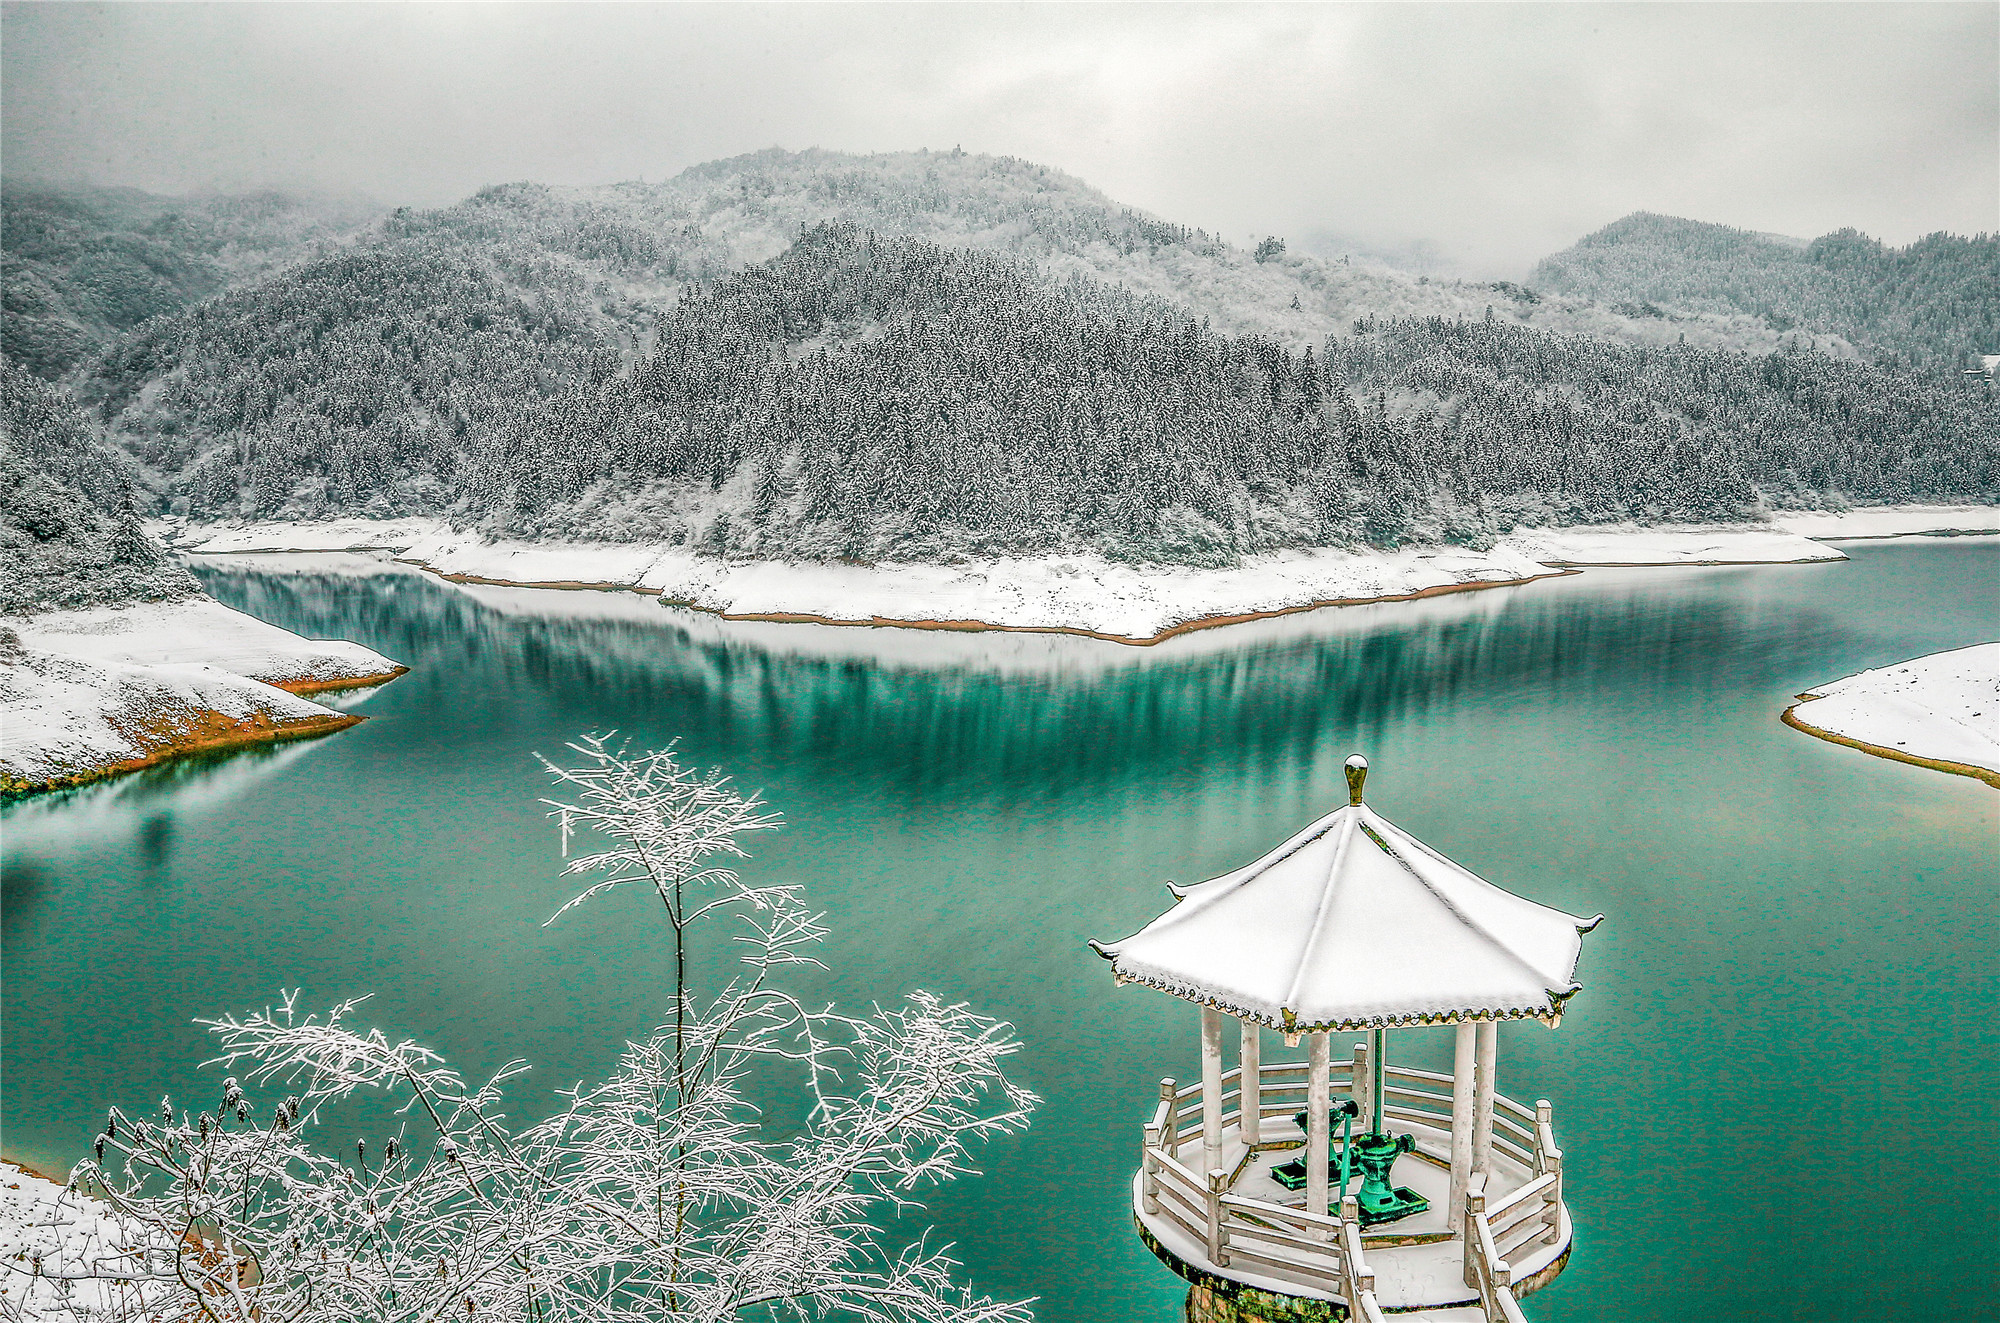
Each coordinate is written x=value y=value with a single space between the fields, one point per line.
x=1776 y=1095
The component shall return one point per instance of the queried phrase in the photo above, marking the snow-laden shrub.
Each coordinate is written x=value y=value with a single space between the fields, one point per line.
x=657 y=1194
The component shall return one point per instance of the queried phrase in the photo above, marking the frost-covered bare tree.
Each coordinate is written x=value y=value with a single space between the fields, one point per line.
x=673 y=1190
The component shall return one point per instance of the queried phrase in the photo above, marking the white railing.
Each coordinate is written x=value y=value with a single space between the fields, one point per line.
x=1323 y=1252
x=1498 y=1230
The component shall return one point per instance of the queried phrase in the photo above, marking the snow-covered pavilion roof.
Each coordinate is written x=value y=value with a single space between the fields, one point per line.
x=1355 y=924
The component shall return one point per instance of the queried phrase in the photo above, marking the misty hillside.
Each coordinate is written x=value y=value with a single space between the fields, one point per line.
x=873 y=398
x=975 y=354
x=435 y=326
x=69 y=532
x=80 y=266
x=749 y=208
x=1933 y=304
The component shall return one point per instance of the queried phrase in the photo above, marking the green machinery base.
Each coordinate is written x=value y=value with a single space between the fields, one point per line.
x=1370 y=1157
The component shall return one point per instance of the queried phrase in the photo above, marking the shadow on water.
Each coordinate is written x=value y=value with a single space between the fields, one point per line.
x=1802 y=939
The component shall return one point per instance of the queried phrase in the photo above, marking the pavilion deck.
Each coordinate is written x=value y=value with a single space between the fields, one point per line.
x=1233 y=1221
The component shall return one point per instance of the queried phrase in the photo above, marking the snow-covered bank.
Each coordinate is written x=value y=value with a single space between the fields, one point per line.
x=87 y=694
x=1940 y=711
x=1669 y=546
x=69 y=720
x=1891 y=521
x=1077 y=594
x=204 y=631
x=1087 y=594
x=284 y=535
x=65 y=1257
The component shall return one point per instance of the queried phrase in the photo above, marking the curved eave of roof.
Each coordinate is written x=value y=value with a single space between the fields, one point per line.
x=1548 y=1012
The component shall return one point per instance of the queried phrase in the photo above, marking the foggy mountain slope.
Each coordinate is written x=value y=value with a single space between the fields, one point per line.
x=80 y=266
x=69 y=529
x=378 y=365
x=1932 y=303
x=751 y=206
x=866 y=397
x=453 y=361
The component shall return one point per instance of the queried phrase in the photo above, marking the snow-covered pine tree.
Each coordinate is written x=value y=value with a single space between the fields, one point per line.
x=657 y=1194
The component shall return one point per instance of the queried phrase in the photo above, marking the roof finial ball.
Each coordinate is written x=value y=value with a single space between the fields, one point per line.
x=1357 y=776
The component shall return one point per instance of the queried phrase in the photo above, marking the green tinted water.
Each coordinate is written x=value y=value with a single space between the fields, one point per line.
x=1796 y=984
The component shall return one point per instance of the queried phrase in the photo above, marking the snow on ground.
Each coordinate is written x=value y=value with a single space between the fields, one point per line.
x=1087 y=593
x=340 y=564
x=1890 y=521
x=274 y=535
x=1081 y=593
x=65 y=719
x=66 y=1258
x=1944 y=708
x=85 y=693
x=1669 y=546
x=205 y=631
x=1072 y=593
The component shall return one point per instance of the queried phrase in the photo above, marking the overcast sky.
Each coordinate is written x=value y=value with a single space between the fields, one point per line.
x=1494 y=133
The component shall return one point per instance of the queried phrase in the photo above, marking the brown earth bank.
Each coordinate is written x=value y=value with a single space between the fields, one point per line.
x=210 y=732
x=981 y=626
x=564 y=585
x=303 y=687
x=36 y=1172
x=1797 y=723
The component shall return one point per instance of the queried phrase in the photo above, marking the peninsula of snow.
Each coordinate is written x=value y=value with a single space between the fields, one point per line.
x=202 y=630
x=1084 y=594
x=111 y=689
x=1941 y=711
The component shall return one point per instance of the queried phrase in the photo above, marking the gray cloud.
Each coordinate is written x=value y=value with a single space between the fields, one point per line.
x=1494 y=133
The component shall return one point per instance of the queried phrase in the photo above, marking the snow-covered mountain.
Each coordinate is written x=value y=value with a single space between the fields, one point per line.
x=1934 y=303
x=717 y=358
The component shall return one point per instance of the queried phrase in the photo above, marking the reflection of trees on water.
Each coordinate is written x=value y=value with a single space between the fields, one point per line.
x=1274 y=701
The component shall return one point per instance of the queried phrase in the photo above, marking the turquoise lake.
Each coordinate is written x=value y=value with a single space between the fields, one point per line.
x=1777 y=1093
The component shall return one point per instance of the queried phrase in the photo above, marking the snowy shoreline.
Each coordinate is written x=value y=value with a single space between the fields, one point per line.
x=1077 y=594
x=203 y=631
x=90 y=694
x=1940 y=711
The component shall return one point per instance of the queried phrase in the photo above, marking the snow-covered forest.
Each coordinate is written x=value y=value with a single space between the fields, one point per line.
x=1934 y=303
x=890 y=399
x=82 y=266
x=927 y=355
x=69 y=526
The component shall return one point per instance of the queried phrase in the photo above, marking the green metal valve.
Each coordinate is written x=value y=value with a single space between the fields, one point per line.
x=1380 y=1200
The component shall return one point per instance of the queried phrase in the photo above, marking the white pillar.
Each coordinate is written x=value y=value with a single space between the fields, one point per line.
x=1250 y=1083
x=1463 y=1072
x=1482 y=1099
x=1211 y=1088
x=1319 y=1101
x=1361 y=1087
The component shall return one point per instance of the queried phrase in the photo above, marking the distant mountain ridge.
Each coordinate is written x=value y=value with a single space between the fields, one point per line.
x=864 y=397
x=432 y=325
x=1934 y=303
x=81 y=266
x=717 y=358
